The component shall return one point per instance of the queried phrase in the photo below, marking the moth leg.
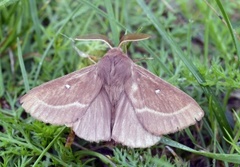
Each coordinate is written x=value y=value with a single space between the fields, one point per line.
x=70 y=139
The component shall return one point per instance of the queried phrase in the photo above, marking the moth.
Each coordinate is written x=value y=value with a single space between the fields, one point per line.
x=114 y=99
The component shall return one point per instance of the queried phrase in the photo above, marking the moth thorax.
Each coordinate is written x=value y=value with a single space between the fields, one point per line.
x=114 y=68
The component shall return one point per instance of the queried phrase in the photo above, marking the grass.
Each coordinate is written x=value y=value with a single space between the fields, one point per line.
x=195 y=46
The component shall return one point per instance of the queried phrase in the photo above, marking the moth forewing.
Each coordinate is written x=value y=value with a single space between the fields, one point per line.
x=160 y=107
x=57 y=102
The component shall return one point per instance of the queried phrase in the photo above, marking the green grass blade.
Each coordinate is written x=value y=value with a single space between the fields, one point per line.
x=1 y=80
x=229 y=25
x=106 y=15
x=100 y=156
x=52 y=41
x=231 y=158
x=112 y=22
x=36 y=23
x=5 y=3
x=22 y=66
x=48 y=147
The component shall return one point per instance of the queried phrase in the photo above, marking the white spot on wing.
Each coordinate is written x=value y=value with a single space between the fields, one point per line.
x=67 y=86
x=134 y=87
x=157 y=91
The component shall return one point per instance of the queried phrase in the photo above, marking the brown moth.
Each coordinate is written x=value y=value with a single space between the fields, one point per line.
x=114 y=99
